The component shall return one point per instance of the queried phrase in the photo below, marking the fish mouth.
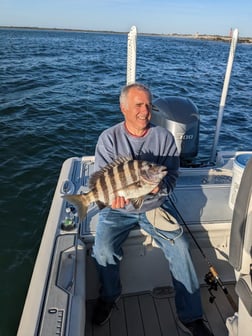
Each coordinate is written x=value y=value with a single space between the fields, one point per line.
x=163 y=169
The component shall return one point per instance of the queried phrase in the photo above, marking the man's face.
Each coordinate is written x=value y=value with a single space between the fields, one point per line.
x=137 y=109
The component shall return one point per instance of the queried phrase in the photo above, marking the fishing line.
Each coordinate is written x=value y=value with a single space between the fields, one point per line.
x=212 y=277
x=171 y=240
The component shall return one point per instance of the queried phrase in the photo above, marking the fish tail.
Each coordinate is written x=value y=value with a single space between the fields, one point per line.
x=80 y=202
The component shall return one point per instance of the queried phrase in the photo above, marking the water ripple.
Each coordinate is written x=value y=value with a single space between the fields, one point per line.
x=60 y=90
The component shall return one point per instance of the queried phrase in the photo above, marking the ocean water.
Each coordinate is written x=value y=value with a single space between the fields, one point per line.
x=59 y=90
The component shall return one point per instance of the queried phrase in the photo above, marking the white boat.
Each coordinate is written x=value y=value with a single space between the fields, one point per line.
x=215 y=201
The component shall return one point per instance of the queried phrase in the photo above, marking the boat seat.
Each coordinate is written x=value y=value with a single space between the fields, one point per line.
x=244 y=291
x=240 y=253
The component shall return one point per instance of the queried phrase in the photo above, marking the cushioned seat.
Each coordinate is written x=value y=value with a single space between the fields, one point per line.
x=240 y=254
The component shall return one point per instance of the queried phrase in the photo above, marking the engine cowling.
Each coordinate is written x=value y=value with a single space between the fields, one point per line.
x=181 y=117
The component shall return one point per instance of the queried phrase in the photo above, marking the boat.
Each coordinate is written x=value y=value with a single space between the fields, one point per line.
x=214 y=201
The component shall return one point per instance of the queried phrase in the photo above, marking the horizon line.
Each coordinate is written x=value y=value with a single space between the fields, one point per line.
x=195 y=35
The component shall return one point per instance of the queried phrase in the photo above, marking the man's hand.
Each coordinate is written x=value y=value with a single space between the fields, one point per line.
x=119 y=202
x=155 y=190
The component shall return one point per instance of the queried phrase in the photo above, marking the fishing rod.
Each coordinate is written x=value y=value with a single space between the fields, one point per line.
x=212 y=278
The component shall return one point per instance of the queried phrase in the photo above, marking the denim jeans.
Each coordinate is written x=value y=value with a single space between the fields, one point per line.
x=113 y=228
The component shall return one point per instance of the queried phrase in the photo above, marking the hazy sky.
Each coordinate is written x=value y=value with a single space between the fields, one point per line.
x=150 y=16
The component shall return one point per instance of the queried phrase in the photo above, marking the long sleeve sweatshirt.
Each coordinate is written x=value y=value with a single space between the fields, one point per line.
x=157 y=146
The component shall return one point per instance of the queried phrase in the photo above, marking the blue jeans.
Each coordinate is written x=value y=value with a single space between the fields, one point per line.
x=113 y=228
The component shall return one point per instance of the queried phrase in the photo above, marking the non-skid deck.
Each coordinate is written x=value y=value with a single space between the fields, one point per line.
x=153 y=314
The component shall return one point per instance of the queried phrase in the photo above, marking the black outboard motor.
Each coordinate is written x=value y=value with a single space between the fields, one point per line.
x=180 y=116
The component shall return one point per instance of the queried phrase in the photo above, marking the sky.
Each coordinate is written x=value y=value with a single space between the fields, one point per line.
x=215 y=17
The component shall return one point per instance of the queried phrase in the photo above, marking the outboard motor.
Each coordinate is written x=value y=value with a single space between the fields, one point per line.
x=180 y=116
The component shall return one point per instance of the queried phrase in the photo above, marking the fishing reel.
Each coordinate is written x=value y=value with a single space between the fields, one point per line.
x=212 y=282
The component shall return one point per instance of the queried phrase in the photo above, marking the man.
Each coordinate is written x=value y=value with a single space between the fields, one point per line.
x=136 y=137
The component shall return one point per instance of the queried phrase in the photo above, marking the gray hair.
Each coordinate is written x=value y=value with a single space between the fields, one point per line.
x=125 y=90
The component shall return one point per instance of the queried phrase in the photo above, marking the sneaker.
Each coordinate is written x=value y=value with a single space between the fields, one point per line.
x=103 y=311
x=195 y=328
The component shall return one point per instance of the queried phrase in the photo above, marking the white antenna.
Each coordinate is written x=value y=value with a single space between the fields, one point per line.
x=131 y=59
x=224 y=91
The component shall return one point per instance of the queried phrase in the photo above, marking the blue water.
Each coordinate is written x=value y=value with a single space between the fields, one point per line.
x=59 y=90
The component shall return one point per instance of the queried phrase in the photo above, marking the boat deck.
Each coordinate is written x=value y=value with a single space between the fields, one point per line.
x=149 y=314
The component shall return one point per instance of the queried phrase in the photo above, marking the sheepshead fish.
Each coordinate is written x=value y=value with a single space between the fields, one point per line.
x=126 y=177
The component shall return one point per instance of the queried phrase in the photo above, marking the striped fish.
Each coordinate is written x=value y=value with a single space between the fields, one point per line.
x=126 y=177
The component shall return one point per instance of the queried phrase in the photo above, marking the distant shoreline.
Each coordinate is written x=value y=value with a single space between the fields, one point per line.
x=197 y=36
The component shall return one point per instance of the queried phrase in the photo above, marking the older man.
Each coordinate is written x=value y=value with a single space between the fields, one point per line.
x=136 y=137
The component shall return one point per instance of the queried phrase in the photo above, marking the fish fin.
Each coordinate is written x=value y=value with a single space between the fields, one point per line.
x=137 y=202
x=100 y=205
x=79 y=202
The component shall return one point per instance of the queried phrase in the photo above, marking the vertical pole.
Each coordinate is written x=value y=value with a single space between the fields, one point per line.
x=224 y=92
x=131 y=57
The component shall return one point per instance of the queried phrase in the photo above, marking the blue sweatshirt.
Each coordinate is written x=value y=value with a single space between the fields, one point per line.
x=157 y=146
